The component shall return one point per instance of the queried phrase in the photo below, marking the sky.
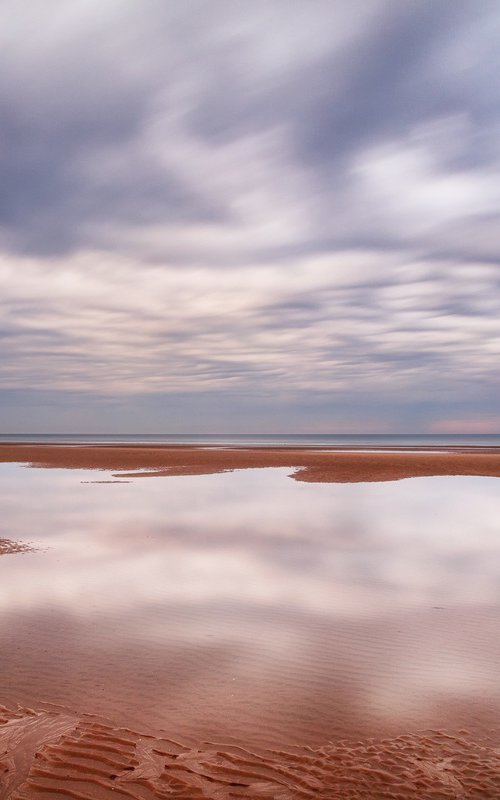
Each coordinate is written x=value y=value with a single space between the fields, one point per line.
x=225 y=216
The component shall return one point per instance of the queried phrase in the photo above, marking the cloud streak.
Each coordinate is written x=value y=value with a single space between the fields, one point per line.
x=193 y=204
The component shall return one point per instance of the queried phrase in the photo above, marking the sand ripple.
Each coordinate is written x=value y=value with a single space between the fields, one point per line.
x=54 y=753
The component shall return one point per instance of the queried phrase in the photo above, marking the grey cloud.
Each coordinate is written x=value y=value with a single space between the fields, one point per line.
x=206 y=204
x=65 y=112
x=52 y=194
x=78 y=110
x=384 y=87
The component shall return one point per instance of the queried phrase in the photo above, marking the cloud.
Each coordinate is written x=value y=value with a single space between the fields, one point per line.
x=171 y=123
x=344 y=323
x=192 y=203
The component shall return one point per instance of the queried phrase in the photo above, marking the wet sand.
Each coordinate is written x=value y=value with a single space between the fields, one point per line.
x=54 y=753
x=310 y=464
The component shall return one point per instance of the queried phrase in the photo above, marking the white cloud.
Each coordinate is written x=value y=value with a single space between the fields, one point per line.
x=101 y=323
x=406 y=186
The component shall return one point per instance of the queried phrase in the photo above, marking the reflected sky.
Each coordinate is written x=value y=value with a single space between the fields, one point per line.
x=251 y=606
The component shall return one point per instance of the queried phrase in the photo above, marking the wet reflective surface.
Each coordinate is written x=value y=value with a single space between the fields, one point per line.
x=253 y=609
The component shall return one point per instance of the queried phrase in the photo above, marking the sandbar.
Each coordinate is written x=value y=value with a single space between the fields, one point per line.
x=308 y=463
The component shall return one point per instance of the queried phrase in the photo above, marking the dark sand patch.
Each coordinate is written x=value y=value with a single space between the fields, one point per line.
x=8 y=547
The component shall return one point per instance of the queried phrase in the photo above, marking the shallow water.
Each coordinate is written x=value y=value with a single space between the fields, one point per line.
x=251 y=609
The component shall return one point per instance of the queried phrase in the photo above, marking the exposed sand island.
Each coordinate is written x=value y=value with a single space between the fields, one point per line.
x=310 y=464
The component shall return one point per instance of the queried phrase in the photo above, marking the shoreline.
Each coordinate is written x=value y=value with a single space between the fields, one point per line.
x=312 y=464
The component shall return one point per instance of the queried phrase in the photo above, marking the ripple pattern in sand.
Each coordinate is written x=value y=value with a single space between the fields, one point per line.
x=53 y=753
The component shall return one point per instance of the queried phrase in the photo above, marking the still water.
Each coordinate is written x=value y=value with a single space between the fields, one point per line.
x=252 y=608
x=360 y=440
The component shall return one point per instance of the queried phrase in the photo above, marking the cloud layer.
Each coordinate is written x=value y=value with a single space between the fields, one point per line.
x=269 y=204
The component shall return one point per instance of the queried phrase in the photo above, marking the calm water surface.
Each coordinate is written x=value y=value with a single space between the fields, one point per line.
x=363 y=440
x=252 y=608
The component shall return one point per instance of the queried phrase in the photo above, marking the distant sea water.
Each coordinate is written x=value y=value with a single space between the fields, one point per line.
x=362 y=441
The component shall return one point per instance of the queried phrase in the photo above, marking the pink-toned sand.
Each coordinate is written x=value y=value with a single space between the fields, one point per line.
x=53 y=753
x=310 y=464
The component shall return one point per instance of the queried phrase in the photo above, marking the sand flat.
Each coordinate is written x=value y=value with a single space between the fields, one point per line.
x=310 y=464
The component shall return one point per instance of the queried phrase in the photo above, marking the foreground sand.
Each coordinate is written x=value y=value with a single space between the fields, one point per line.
x=51 y=752
x=310 y=464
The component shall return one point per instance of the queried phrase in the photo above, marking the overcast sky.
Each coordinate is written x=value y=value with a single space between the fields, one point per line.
x=255 y=217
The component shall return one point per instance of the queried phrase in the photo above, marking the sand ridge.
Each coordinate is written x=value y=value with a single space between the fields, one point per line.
x=309 y=464
x=52 y=751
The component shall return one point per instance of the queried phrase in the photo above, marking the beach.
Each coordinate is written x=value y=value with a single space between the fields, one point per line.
x=227 y=632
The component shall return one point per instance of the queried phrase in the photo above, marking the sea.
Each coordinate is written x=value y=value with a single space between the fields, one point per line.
x=358 y=441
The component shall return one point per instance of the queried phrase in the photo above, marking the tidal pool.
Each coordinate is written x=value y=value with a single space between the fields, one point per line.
x=249 y=608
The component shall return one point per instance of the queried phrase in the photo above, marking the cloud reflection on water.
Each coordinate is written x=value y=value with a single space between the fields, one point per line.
x=254 y=537
x=319 y=599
